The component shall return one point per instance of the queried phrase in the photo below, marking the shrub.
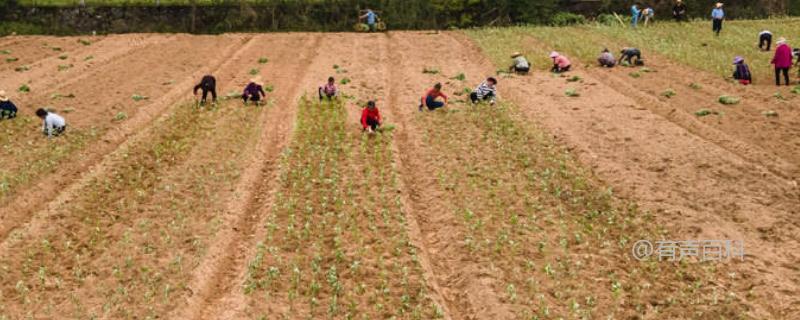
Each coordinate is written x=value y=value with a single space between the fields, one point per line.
x=567 y=19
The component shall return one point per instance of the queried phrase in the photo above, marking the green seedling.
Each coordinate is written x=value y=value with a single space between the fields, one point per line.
x=335 y=66
x=669 y=93
x=770 y=113
x=88 y=58
x=120 y=116
x=796 y=90
x=22 y=68
x=5 y=51
x=704 y=112
x=574 y=79
x=779 y=96
x=63 y=67
x=729 y=100
x=269 y=88
x=430 y=70
x=635 y=75
x=137 y=97
x=58 y=96
x=263 y=60
x=695 y=86
x=63 y=57
x=572 y=92
x=254 y=71
x=12 y=59
x=84 y=42
x=24 y=88
x=646 y=70
x=344 y=81
x=56 y=49
x=460 y=77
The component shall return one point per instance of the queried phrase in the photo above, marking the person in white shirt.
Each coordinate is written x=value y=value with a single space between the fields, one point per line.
x=486 y=91
x=52 y=124
x=520 y=65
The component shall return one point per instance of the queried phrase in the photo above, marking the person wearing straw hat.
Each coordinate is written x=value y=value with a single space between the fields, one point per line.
x=607 y=59
x=742 y=71
x=560 y=62
x=254 y=91
x=782 y=61
x=7 y=108
x=717 y=16
x=520 y=65
x=53 y=125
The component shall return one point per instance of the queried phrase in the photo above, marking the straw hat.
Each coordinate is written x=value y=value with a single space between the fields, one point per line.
x=781 y=40
x=3 y=96
x=553 y=54
x=256 y=80
x=738 y=60
x=516 y=54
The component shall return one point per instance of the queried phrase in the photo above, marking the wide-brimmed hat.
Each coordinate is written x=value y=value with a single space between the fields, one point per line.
x=3 y=96
x=781 y=40
x=516 y=54
x=553 y=54
x=738 y=60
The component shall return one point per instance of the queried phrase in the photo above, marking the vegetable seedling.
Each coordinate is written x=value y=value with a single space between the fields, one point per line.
x=254 y=71
x=770 y=113
x=24 y=88
x=574 y=79
x=263 y=60
x=430 y=71
x=729 y=100
x=572 y=92
x=137 y=97
x=669 y=93
x=704 y=112
x=11 y=59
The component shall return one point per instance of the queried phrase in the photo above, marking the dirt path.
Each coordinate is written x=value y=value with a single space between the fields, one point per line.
x=696 y=186
x=217 y=281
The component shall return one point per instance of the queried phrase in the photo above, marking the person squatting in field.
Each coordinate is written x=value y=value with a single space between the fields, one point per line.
x=717 y=16
x=52 y=124
x=560 y=62
x=606 y=59
x=207 y=84
x=741 y=71
x=520 y=64
x=371 y=117
x=328 y=90
x=254 y=91
x=429 y=99
x=782 y=61
x=679 y=11
x=765 y=40
x=628 y=54
x=7 y=108
x=486 y=91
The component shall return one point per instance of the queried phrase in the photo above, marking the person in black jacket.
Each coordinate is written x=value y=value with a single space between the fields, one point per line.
x=7 y=108
x=207 y=84
x=679 y=11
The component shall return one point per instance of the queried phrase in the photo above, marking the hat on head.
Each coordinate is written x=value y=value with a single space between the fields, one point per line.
x=3 y=96
x=719 y=4
x=738 y=60
x=781 y=40
x=516 y=54
x=553 y=54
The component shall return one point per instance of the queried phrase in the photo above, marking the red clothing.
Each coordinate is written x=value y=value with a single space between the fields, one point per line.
x=434 y=94
x=783 y=56
x=368 y=113
x=561 y=61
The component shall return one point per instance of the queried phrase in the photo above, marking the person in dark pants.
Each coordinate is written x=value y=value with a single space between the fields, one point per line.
x=53 y=125
x=254 y=91
x=765 y=40
x=742 y=71
x=717 y=16
x=486 y=91
x=329 y=90
x=370 y=118
x=628 y=54
x=429 y=100
x=679 y=11
x=782 y=61
x=207 y=84
x=7 y=108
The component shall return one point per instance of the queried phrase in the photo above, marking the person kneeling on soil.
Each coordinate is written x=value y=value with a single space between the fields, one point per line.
x=606 y=59
x=7 y=108
x=207 y=84
x=487 y=90
x=52 y=124
x=429 y=100
x=628 y=54
x=742 y=71
x=560 y=62
x=253 y=92
x=520 y=65
x=371 y=118
x=328 y=90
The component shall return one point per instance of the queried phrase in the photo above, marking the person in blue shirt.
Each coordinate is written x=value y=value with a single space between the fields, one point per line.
x=635 y=15
x=717 y=16
x=372 y=19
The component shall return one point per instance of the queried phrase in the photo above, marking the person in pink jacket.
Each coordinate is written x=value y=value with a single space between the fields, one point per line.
x=782 y=61
x=560 y=62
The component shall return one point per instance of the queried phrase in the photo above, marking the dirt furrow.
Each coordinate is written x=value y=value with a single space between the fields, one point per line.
x=217 y=282
x=28 y=213
x=696 y=187
x=463 y=281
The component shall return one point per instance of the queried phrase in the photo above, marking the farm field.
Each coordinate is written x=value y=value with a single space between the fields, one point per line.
x=151 y=207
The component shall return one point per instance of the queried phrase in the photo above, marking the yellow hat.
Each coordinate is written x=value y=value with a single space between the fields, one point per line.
x=3 y=96
x=516 y=54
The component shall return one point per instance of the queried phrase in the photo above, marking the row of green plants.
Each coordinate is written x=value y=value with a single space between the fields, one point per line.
x=126 y=245
x=336 y=244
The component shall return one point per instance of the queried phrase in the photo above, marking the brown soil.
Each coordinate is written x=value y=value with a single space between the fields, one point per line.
x=207 y=204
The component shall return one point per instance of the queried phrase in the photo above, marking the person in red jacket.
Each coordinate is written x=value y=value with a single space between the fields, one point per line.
x=370 y=117
x=429 y=99
x=782 y=61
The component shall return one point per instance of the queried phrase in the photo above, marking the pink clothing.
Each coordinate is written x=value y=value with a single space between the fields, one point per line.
x=561 y=61
x=783 y=56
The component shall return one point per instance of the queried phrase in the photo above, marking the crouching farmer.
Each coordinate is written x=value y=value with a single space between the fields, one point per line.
x=741 y=71
x=429 y=100
x=486 y=91
x=370 y=118
x=606 y=59
x=7 y=108
x=254 y=91
x=329 y=90
x=52 y=124
x=520 y=65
